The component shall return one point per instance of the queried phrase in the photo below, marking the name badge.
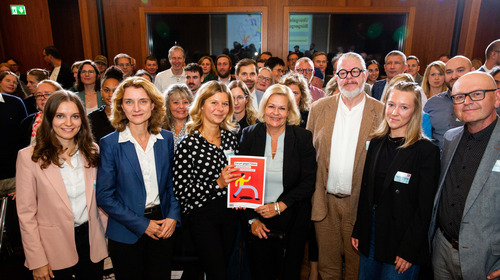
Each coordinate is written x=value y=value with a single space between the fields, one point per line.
x=367 y=145
x=229 y=153
x=402 y=177
x=496 y=167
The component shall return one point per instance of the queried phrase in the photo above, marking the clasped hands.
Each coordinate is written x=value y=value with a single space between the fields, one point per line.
x=161 y=228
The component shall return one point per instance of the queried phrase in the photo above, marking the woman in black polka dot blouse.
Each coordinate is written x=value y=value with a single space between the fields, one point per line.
x=202 y=173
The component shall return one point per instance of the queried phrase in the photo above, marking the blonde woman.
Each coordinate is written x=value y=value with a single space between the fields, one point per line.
x=433 y=81
x=298 y=84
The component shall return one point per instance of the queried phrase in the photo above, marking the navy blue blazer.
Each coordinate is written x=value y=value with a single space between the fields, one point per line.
x=378 y=89
x=120 y=189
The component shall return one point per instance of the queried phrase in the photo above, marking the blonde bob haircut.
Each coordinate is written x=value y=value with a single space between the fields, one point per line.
x=251 y=112
x=293 y=110
x=297 y=79
x=206 y=91
x=175 y=91
x=119 y=119
x=438 y=65
x=414 y=130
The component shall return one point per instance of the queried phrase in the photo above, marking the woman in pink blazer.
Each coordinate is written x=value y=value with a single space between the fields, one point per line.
x=62 y=228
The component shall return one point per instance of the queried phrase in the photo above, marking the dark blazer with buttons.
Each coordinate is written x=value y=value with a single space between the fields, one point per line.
x=120 y=186
x=299 y=162
x=378 y=89
x=403 y=212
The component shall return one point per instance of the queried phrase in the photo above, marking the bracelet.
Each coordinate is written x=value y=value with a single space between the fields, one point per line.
x=276 y=207
x=279 y=212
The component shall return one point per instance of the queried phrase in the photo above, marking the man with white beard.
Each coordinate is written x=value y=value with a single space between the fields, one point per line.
x=341 y=125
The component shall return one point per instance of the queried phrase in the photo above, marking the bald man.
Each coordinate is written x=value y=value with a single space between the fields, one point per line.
x=492 y=54
x=464 y=228
x=440 y=106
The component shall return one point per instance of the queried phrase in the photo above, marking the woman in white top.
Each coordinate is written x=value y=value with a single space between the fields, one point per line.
x=62 y=228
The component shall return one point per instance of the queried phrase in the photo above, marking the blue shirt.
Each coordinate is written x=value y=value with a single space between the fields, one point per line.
x=442 y=114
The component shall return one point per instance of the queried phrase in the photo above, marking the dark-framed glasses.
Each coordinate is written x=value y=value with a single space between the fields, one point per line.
x=43 y=95
x=302 y=71
x=355 y=72
x=476 y=95
x=262 y=78
x=90 y=72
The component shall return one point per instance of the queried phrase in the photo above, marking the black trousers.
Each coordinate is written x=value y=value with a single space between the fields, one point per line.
x=214 y=228
x=146 y=259
x=85 y=268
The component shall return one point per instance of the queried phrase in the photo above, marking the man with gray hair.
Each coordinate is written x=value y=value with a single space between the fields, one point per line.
x=124 y=62
x=174 y=75
x=305 y=67
x=492 y=54
x=341 y=125
x=395 y=64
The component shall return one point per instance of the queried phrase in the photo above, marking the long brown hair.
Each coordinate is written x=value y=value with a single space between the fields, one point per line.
x=48 y=148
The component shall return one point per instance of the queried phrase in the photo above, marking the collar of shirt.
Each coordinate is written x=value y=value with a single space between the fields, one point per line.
x=126 y=135
x=359 y=107
x=174 y=76
x=1 y=98
x=74 y=159
x=480 y=135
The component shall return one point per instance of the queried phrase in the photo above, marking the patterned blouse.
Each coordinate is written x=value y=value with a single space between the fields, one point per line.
x=197 y=166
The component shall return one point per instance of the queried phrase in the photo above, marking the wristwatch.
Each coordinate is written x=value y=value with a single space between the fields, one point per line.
x=250 y=222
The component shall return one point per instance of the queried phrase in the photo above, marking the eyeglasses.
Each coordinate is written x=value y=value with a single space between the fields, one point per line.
x=124 y=64
x=240 y=98
x=302 y=71
x=476 y=95
x=355 y=72
x=40 y=96
x=90 y=72
x=266 y=79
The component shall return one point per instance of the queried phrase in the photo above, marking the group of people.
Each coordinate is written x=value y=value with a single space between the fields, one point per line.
x=350 y=169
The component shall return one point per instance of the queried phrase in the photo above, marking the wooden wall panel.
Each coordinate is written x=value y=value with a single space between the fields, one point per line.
x=24 y=37
x=488 y=27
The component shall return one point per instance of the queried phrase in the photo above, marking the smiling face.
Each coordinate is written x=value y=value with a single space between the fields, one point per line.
x=176 y=59
x=8 y=84
x=276 y=111
x=373 y=73
x=240 y=100
x=248 y=75
x=151 y=66
x=66 y=122
x=351 y=86
x=179 y=107
x=43 y=91
x=264 y=80
x=124 y=64
x=320 y=61
x=137 y=106
x=108 y=88
x=206 y=66
x=88 y=75
x=398 y=112
x=215 y=109
x=305 y=69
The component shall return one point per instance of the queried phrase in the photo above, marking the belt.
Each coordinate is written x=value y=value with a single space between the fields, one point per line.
x=453 y=242
x=152 y=210
x=339 y=195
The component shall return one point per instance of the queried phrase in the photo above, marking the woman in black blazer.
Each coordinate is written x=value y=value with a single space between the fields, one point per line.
x=399 y=182
x=279 y=227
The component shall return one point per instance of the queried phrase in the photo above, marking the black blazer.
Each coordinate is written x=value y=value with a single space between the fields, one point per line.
x=403 y=211
x=65 y=76
x=26 y=129
x=378 y=89
x=299 y=163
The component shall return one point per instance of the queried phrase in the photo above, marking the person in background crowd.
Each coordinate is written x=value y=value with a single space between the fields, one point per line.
x=264 y=80
x=305 y=67
x=201 y=175
x=298 y=84
x=99 y=119
x=433 y=81
x=394 y=210
x=373 y=72
x=9 y=83
x=224 y=65
x=244 y=112
x=174 y=75
x=341 y=125
x=332 y=87
x=279 y=228
x=291 y=61
x=492 y=54
x=395 y=63
x=101 y=62
x=208 y=67
x=29 y=126
x=277 y=65
x=151 y=65
x=413 y=67
x=34 y=77
x=124 y=62
x=246 y=71
x=320 y=61
x=61 y=71
x=144 y=74
x=62 y=227
x=88 y=86
x=74 y=70
x=193 y=77
x=265 y=56
x=134 y=183
x=178 y=98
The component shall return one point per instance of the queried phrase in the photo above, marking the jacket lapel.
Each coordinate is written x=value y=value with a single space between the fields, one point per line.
x=160 y=155
x=56 y=181
x=329 y=121
x=90 y=175
x=489 y=159
x=288 y=148
x=131 y=155
x=364 y=130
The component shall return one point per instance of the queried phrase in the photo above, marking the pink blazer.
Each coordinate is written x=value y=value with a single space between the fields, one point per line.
x=46 y=219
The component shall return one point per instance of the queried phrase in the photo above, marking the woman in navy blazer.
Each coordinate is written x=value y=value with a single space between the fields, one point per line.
x=142 y=209
x=397 y=192
x=279 y=227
